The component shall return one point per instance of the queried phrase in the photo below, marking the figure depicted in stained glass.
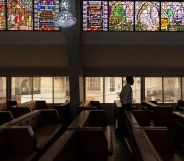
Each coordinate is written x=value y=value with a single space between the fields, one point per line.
x=121 y=15
x=147 y=16
x=95 y=15
x=20 y=15
x=172 y=16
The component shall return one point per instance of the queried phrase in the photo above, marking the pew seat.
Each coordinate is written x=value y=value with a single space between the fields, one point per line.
x=162 y=140
x=44 y=123
x=87 y=144
x=94 y=118
x=17 y=144
x=5 y=116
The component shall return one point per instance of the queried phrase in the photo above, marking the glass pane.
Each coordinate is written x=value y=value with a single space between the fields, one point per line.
x=21 y=89
x=172 y=89
x=121 y=15
x=136 y=88
x=45 y=13
x=95 y=15
x=20 y=14
x=153 y=89
x=113 y=86
x=2 y=88
x=2 y=15
x=172 y=16
x=94 y=88
x=147 y=16
x=43 y=89
x=61 y=89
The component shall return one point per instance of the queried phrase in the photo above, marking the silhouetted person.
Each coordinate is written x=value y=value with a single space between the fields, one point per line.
x=180 y=105
x=126 y=100
x=126 y=93
x=24 y=87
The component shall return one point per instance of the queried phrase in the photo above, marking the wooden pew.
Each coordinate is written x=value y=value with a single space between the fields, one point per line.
x=88 y=144
x=63 y=109
x=45 y=125
x=162 y=140
x=178 y=128
x=158 y=138
x=161 y=115
x=17 y=144
x=90 y=105
x=143 y=149
x=94 y=118
x=5 y=116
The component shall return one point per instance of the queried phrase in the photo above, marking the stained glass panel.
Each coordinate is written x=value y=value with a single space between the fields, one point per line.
x=2 y=15
x=121 y=15
x=45 y=12
x=95 y=15
x=147 y=16
x=172 y=16
x=20 y=14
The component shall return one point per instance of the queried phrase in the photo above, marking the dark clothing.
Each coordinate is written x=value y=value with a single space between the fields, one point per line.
x=127 y=106
x=122 y=130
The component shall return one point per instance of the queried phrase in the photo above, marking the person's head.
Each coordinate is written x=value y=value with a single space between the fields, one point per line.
x=25 y=81
x=130 y=80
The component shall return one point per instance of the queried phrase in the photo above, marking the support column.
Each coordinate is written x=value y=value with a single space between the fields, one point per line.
x=8 y=87
x=75 y=61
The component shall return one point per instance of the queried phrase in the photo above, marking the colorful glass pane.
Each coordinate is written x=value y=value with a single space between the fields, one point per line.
x=95 y=15
x=147 y=16
x=2 y=15
x=45 y=13
x=172 y=16
x=20 y=15
x=121 y=15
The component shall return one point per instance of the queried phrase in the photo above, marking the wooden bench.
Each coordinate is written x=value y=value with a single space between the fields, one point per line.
x=178 y=128
x=93 y=118
x=63 y=109
x=162 y=141
x=161 y=115
x=156 y=140
x=90 y=105
x=87 y=144
x=17 y=144
x=5 y=111
x=44 y=123
x=5 y=116
x=142 y=117
x=143 y=149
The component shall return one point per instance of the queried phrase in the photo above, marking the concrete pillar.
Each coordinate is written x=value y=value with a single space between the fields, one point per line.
x=72 y=35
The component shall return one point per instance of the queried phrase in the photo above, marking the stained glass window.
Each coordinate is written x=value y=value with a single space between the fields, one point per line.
x=45 y=12
x=95 y=15
x=147 y=16
x=172 y=16
x=2 y=15
x=20 y=13
x=121 y=15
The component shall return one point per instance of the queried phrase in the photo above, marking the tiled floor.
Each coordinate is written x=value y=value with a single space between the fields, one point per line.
x=120 y=150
